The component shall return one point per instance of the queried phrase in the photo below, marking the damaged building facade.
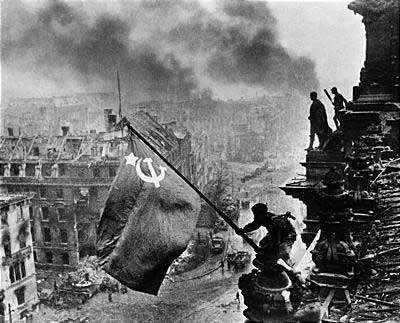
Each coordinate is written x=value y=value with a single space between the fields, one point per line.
x=18 y=290
x=70 y=176
x=75 y=114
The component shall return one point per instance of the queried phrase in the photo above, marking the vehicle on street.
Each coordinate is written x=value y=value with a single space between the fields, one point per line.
x=241 y=259
x=217 y=245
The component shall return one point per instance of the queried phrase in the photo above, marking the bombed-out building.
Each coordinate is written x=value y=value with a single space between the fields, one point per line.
x=18 y=290
x=70 y=176
x=245 y=145
x=50 y=116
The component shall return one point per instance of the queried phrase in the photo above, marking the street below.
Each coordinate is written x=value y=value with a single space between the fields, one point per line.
x=207 y=293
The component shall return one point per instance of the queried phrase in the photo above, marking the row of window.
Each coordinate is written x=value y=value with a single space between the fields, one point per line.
x=17 y=170
x=62 y=215
x=6 y=209
x=7 y=245
x=47 y=235
x=46 y=192
x=17 y=271
x=43 y=192
x=50 y=258
x=83 y=235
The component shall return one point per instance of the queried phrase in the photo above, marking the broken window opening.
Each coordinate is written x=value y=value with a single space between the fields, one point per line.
x=45 y=213
x=62 y=215
x=46 y=170
x=23 y=233
x=59 y=193
x=93 y=192
x=112 y=171
x=65 y=258
x=30 y=170
x=61 y=169
x=20 y=294
x=22 y=243
x=64 y=130
x=14 y=169
x=4 y=217
x=64 y=235
x=22 y=267
x=20 y=215
x=42 y=192
x=33 y=234
x=47 y=234
x=17 y=271
x=49 y=257
x=35 y=151
x=11 y=274
x=7 y=248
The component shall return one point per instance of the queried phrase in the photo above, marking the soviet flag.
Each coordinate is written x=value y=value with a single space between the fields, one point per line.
x=148 y=218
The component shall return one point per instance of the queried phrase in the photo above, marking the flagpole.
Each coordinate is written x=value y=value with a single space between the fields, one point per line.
x=119 y=97
x=227 y=219
x=119 y=102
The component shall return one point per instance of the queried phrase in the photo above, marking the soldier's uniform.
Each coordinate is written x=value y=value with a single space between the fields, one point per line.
x=319 y=123
x=339 y=103
x=281 y=233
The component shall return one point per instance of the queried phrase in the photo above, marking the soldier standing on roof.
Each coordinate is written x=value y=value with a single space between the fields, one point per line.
x=339 y=103
x=318 y=122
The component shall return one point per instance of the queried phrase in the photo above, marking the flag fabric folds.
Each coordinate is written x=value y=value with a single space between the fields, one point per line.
x=147 y=221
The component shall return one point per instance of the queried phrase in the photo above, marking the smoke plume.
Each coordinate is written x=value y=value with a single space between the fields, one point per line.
x=163 y=49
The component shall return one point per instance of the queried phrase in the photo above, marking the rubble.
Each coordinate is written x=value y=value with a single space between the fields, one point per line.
x=75 y=288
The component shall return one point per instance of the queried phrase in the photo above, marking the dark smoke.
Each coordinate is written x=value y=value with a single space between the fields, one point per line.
x=61 y=35
x=244 y=48
x=163 y=49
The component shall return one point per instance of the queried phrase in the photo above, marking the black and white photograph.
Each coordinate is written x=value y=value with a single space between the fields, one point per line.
x=199 y=161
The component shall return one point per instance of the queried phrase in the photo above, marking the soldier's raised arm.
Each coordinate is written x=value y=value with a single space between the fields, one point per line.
x=252 y=226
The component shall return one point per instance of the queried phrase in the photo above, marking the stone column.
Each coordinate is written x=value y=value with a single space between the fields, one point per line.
x=380 y=76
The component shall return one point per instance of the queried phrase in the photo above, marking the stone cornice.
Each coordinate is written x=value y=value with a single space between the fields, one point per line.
x=365 y=7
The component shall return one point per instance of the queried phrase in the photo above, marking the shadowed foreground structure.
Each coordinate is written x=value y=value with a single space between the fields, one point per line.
x=351 y=186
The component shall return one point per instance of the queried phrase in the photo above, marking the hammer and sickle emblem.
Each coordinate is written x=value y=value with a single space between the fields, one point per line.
x=153 y=178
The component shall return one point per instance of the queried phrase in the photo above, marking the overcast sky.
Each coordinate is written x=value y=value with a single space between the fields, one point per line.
x=329 y=33
x=326 y=31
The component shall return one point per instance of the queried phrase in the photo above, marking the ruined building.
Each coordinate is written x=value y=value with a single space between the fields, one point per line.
x=245 y=145
x=70 y=175
x=18 y=292
x=77 y=114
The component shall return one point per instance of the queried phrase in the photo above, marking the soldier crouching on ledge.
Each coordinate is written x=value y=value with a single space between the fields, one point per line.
x=275 y=274
x=281 y=233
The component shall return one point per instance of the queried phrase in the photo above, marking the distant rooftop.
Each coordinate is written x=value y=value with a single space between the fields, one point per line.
x=90 y=147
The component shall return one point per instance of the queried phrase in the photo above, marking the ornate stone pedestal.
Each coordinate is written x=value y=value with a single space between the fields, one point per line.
x=268 y=292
